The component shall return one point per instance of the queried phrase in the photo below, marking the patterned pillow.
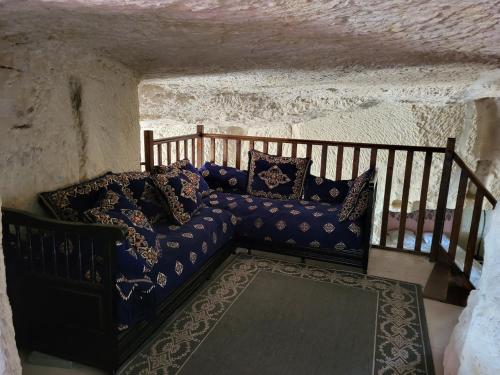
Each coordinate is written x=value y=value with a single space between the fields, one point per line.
x=224 y=179
x=71 y=203
x=194 y=175
x=356 y=202
x=145 y=195
x=141 y=251
x=276 y=176
x=178 y=193
x=319 y=189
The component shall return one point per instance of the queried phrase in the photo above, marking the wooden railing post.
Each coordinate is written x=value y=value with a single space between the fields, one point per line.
x=148 y=149
x=442 y=199
x=200 y=141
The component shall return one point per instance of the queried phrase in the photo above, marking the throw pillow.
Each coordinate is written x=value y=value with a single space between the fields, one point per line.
x=276 y=177
x=191 y=172
x=356 y=202
x=319 y=189
x=142 y=249
x=179 y=194
x=225 y=179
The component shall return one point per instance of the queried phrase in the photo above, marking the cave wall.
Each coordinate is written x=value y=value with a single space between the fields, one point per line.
x=65 y=115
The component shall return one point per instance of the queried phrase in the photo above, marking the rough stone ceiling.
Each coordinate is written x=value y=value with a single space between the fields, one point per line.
x=155 y=37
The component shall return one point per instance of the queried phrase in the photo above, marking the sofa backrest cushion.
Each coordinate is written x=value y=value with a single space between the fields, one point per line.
x=179 y=193
x=142 y=249
x=70 y=203
x=356 y=201
x=319 y=189
x=276 y=177
x=224 y=179
x=194 y=175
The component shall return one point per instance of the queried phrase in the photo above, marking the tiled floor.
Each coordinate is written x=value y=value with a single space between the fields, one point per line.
x=441 y=318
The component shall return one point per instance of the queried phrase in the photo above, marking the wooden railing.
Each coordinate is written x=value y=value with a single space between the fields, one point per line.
x=410 y=164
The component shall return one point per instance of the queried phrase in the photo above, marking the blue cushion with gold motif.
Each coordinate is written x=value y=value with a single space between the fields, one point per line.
x=276 y=177
x=319 y=189
x=193 y=174
x=137 y=257
x=222 y=178
x=179 y=193
x=356 y=201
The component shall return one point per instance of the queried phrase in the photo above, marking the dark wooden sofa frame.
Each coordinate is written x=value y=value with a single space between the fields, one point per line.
x=71 y=316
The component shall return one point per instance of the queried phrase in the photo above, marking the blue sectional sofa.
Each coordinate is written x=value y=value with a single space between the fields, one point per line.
x=84 y=282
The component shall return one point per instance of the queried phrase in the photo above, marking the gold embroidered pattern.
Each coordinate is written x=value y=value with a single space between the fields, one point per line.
x=280 y=225
x=304 y=227
x=161 y=279
x=178 y=267
x=193 y=257
x=329 y=227
x=273 y=177
x=258 y=223
x=354 y=228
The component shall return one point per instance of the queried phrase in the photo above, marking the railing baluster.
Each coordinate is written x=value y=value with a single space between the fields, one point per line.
x=294 y=149
x=387 y=197
x=160 y=161
x=265 y=148
x=423 y=200
x=324 y=157
x=224 y=152
x=42 y=249
x=92 y=260
x=169 y=153
x=238 y=154
x=280 y=149
x=309 y=150
x=66 y=254
x=193 y=151
x=373 y=157
x=80 y=268
x=474 y=228
x=30 y=248
x=355 y=162
x=185 y=149
x=457 y=215
x=251 y=145
x=340 y=161
x=200 y=144
x=212 y=150
x=404 y=203
x=177 y=151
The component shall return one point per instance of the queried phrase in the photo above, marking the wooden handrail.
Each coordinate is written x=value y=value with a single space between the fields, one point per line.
x=176 y=138
x=474 y=179
x=318 y=142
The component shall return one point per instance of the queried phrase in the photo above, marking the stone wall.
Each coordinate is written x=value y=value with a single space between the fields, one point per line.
x=65 y=115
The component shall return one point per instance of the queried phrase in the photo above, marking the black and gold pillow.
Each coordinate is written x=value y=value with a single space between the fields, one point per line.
x=276 y=177
x=356 y=202
x=179 y=194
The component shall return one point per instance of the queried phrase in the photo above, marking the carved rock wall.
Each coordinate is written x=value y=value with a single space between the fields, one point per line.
x=65 y=115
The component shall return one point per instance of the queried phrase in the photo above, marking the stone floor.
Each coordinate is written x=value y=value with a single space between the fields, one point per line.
x=441 y=318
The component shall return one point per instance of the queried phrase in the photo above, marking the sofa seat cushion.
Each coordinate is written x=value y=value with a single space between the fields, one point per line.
x=299 y=223
x=187 y=247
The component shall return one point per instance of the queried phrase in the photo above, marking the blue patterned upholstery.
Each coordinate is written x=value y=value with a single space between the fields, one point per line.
x=137 y=257
x=301 y=223
x=184 y=250
x=194 y=175
x=356 y=201
x=276 y=176
x=319 y=189
x=179 y=193
x=227 y=179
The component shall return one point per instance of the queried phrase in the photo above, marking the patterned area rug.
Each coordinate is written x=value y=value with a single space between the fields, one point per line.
x=268 y=316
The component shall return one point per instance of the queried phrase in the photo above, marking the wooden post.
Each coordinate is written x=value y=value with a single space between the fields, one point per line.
x=148 y=149
x=200 y=141
x=442 y=199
